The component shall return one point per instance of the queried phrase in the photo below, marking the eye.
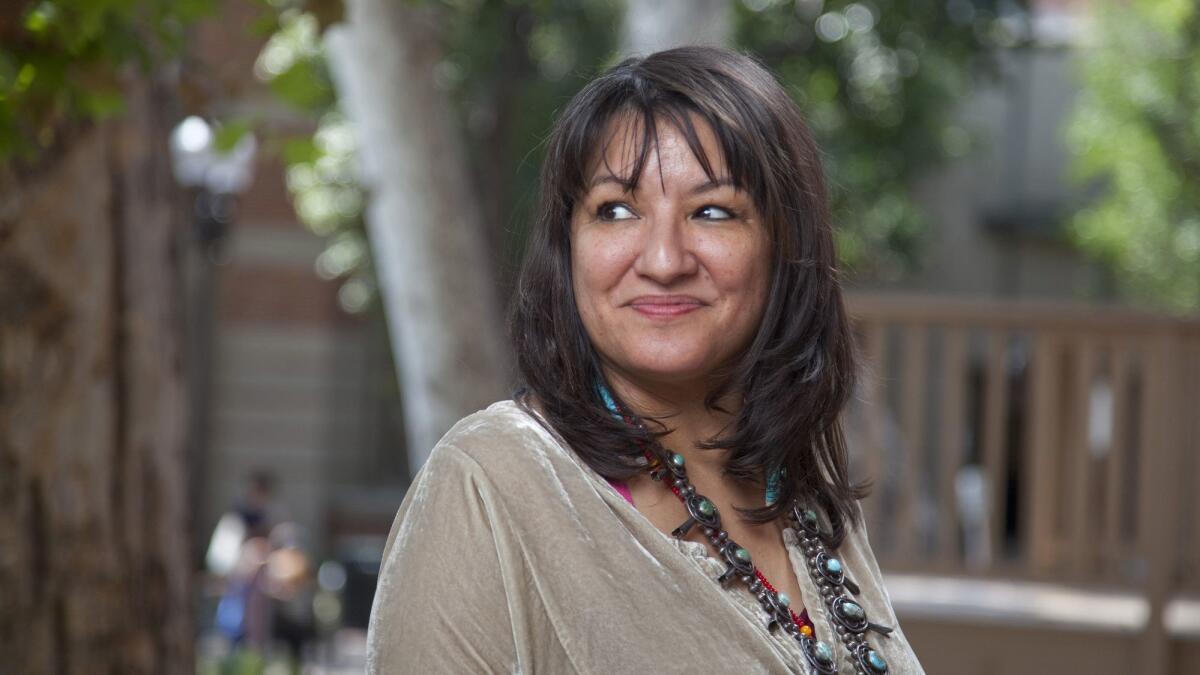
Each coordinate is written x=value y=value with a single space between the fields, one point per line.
x=714 y=212
x=614 y=211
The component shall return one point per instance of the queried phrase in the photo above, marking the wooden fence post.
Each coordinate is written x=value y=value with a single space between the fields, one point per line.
x=1159 y=492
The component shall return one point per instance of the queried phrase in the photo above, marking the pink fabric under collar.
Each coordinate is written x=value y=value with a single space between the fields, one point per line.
x=622 y=489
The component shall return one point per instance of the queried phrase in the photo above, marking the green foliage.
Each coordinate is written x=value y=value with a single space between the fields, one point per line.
x=293 y=64
x=878 y=83
x=1136 y=128
x=322 y=167
x=229 y=135
x=60 y=62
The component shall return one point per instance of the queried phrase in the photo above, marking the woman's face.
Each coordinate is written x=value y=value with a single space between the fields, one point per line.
x=671 y=279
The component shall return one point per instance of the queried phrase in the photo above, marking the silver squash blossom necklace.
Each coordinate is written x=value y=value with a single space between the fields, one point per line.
x=827 y=572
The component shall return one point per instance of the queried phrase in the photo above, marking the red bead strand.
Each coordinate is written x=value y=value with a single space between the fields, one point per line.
x=801 y=620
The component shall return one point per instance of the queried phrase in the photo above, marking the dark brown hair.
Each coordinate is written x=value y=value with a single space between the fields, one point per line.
x=797 y=373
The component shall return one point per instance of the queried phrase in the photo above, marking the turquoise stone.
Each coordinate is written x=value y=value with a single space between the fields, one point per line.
x=742 y=554
x=833 y=566
x=810 y=518
x=784 y=600
x=706 y=507
x=851 y=610
x=876 y=662
x=823 y=652
x=677 y=460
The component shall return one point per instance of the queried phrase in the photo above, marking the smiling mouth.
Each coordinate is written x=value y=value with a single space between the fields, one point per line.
x=665 y=306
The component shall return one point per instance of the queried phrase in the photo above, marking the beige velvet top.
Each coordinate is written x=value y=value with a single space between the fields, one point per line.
x=510 y=555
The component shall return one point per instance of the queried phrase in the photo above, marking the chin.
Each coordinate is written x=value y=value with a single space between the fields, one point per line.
x=674 y=368
x=670 y=376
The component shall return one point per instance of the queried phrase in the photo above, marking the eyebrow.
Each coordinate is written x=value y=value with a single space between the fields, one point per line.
x=696 y=189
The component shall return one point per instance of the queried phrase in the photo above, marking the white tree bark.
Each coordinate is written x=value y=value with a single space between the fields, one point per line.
x=653 y=25
x=423 y=220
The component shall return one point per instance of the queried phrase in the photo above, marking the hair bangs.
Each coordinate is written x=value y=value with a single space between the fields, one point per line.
x=629 y=112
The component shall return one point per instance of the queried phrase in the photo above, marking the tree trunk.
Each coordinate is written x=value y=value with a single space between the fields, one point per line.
x=94 y=568
x=423 y=219
x=653 y=25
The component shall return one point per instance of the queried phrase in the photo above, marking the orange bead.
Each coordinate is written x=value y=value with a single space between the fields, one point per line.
x=806 y=631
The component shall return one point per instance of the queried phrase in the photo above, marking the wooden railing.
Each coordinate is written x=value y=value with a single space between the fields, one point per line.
x=1033 y=442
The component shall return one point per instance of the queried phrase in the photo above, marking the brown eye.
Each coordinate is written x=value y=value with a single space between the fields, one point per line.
x=614 y=211
x=714 y=212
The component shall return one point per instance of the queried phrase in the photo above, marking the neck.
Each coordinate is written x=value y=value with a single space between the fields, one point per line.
x=681 y=408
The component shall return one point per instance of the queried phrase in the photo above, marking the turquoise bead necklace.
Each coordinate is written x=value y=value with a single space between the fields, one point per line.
x=827 y=571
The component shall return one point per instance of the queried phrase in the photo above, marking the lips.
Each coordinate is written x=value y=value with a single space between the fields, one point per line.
x=666 y=306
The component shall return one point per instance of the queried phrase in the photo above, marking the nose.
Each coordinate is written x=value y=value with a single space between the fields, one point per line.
x=666 y=255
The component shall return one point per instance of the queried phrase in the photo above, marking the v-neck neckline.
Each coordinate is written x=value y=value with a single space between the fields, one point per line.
x=699 y=552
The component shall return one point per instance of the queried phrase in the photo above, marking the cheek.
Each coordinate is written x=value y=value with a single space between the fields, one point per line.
x=761 y=271
x=597 y=263
x=582 y=274
x=589 y=272
x=741 y=268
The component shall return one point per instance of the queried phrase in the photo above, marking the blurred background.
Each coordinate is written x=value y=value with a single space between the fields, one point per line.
x=254 y=255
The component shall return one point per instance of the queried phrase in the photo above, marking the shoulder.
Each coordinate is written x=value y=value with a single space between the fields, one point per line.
x=470 y=473
x=502 y=443
x=499 y=470
x=502 y=432
x=502 y=420
x=859 y=559
x=856 y=539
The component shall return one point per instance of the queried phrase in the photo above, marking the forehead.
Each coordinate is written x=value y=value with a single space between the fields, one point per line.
x=628 y=148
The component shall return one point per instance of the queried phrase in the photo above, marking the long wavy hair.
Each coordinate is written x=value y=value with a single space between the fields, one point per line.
x=798 y=372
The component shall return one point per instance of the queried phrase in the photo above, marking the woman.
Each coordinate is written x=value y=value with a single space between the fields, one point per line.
x=652 y=499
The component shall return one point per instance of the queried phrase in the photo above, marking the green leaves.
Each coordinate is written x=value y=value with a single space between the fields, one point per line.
x=1136 y=132
x=293 y=64
x=229 y=134
x=878 y=83
x=305 y=85
x=61 y=66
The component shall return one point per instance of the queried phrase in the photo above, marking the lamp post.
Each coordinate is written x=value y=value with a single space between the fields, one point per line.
x=216 y=176
x=214 y=179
